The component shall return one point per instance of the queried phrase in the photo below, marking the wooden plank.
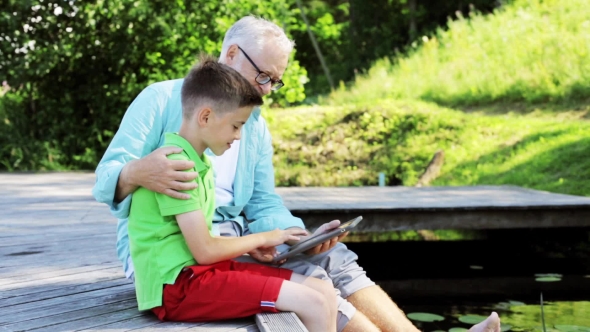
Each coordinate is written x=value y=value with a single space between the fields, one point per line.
x=29 y=262
x=22 y=231
x=80 y=319
x=243 y=324
x=53 y=277
x=64 y=305
x=56 y=239
x=133 y=323
x=412 y=198
x=55 y=273
x=382 y=221
x=63 y=292
x=169 y=327
x=92 y=247
x=127 y=289
x=31 y=287
x=83 y=244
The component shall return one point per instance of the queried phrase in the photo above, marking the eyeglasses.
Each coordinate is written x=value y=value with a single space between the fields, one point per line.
x=262 y=77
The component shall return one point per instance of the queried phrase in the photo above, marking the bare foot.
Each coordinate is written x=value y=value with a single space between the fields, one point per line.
x=491 y=324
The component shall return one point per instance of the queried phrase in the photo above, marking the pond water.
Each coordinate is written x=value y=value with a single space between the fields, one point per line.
x=559 y=315
x=453 y=274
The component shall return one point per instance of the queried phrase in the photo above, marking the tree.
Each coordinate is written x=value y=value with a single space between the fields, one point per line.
x=74 y=67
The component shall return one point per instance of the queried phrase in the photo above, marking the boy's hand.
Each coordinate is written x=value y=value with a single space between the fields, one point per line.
x=276 y=237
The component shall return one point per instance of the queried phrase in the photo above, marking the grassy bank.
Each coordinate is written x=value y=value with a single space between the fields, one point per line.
x=531 y=51
x=350 y=145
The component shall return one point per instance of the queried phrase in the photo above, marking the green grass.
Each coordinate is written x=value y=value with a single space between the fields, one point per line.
x=350 y=145
x=516 y=87
x=531 y=51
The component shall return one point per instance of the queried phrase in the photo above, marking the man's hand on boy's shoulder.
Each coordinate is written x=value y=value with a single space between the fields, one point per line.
x=158 y=173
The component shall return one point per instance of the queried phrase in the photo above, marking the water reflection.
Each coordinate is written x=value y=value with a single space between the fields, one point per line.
x=454 y=273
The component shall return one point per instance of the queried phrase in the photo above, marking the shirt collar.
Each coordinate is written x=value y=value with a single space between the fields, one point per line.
x=202 y=165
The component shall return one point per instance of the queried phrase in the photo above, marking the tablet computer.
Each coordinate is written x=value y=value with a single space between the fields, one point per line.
x=313 y=241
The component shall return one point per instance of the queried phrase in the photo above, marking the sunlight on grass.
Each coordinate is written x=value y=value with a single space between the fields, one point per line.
x=532 y=51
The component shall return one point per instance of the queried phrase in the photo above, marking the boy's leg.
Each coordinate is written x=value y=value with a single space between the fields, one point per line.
x=313 y=300
x=346 y=311
x=326 y=289
x=231 y=289
x=308 y=297
x=221 y=291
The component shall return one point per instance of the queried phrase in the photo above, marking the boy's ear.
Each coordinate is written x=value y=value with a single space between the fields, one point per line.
x=204 y=116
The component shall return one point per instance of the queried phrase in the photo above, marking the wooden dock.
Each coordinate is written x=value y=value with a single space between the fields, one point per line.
x=58 y=266
x=405 y=208
x=59 y=271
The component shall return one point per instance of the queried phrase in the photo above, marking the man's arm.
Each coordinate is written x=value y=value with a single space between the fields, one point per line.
x=265 y=208
x=157 y=173
x=207 y=249
x=121 y=169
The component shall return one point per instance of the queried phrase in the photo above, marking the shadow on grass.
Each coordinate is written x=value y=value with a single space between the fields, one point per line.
x=577 y=109
x=564 y=169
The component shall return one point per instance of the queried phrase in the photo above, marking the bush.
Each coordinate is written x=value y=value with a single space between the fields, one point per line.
x=74 y=67
x=350 y=145
x=342 y=146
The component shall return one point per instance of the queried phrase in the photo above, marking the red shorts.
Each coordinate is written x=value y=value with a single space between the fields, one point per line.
x=224 y=290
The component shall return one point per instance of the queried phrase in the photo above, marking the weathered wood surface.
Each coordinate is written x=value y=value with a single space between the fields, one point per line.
x=58 y=266
x=59 y=271
x=401 y=208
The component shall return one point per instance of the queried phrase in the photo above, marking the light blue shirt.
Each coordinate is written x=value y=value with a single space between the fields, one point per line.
x=157 y=110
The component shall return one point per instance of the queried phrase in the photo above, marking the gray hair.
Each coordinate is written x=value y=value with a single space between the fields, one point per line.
x=253 y=33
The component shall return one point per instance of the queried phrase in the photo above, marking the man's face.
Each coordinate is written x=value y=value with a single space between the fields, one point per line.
x=224 y=129
x=271 y=60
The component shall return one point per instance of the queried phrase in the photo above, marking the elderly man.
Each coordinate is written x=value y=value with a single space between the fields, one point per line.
x=259 y=50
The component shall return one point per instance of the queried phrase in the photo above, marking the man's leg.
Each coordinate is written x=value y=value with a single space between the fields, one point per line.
x=381 y=310
x=341 y=265
x=360 y=323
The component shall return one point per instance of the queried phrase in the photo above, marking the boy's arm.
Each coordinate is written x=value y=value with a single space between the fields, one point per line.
x=208 y=250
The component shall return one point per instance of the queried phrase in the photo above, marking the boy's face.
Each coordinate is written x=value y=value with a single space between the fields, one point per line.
x=224 y=129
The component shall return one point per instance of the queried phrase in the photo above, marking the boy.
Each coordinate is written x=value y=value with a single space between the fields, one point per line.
x=182 y=272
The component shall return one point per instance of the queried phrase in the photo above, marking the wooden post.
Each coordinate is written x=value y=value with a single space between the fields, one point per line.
x=413 y=28
x=432 y=170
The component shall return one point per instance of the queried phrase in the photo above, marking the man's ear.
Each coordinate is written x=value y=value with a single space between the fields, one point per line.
x=204 y=116
x=231 y=54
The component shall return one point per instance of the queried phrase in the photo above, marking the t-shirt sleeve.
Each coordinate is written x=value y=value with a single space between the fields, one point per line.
x=170 y=206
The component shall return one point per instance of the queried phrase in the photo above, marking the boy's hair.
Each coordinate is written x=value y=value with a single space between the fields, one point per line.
x=217 y=85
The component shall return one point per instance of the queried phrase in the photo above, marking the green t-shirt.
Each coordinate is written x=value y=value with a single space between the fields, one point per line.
x=158 y=248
